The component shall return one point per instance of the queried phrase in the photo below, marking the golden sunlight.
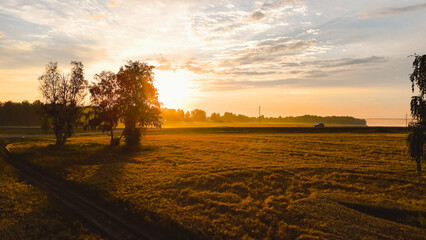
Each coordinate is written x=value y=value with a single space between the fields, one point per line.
x=174 y=88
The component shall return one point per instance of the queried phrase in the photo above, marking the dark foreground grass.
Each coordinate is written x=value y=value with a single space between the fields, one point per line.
x=28 y=213
x=251 y=185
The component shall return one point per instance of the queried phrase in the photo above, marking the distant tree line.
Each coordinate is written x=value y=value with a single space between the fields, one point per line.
x=198 y=115
x=30 y=114
x=21 y=113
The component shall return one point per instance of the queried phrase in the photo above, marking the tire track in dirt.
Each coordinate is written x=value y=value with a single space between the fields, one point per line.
x=110 y=224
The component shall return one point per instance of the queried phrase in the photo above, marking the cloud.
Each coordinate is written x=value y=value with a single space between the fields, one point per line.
x=2 y=35
x=18 y=54
x=318 y=73
x=161 y=63
x=272 y=50
x=262 y=83
x=232 y=85
x=192 y=64
x=197 y=66
x=250 y=73
x=325 y=68
x=386 y=12
x=276 y=10
x=112 y=3
x=206 y=39
x=280 y=3
x=98 y=16
x=344 y=62
x=218 y=25
x=257 y=15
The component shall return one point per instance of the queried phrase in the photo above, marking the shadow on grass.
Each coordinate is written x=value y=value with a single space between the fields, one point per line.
x=88 y=154
x=112 y=164
x=412 y=218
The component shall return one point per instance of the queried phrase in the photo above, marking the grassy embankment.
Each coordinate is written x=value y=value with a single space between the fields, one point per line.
x=251 y=186
x=28 y=213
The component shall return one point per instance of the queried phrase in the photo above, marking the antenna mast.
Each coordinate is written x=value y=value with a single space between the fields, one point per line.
x=259 y=114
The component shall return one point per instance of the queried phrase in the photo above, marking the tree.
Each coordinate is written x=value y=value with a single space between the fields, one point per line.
x=172 y=115
x=187 y=116
x=416 y=138
x=138 y=100
x=198 y=115
x=62 y=96
x=20 y=113
x=105 y=100
x=45 y=125
x=215 y=117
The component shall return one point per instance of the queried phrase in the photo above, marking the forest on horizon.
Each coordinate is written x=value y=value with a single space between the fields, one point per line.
x=29 y=114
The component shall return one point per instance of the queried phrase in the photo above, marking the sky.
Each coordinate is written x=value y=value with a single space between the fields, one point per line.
x=291 y=57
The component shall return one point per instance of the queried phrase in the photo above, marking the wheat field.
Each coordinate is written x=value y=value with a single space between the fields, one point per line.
x=249 y=186
x=28 y=213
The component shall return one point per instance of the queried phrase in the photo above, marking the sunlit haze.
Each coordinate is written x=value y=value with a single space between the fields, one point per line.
x=292 y=57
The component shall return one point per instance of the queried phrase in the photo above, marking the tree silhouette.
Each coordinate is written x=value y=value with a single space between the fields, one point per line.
x=416 y=138
x=20 y=113
x=187 y=116
x=62 y=95
x=198 y=115
x=138 y=100
x=105 y=100
x=172 y=115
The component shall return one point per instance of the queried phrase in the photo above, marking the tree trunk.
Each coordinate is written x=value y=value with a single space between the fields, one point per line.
x=60 y=139
x=112 y=136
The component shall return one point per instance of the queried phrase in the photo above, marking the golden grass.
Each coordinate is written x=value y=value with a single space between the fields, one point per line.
x=27 y=213
x=248 y=186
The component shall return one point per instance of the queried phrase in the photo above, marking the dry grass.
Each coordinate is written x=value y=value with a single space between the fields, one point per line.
x=248 y=186
x=27 y=213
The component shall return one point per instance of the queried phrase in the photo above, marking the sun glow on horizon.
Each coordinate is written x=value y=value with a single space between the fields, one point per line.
x=174 y=87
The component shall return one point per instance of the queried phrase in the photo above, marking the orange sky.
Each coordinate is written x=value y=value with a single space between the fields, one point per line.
x=291 y=57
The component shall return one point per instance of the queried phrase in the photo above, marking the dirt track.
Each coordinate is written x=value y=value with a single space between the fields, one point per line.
x=110 y=224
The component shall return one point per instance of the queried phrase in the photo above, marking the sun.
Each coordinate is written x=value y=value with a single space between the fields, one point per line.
x=174 y=87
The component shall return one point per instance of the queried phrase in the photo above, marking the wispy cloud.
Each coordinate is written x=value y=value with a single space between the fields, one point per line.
x=112 y=3
x=275 y=10
x=343 y=62
x=19 y=54
x=391 y=11
x=232 y=85
x=95 y=16
x=271 y=50
x=2 y=35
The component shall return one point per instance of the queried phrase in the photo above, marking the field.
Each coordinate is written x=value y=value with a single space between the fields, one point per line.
x=28 y=213
x=244 y=124
x=251 y=185
x=36 y=130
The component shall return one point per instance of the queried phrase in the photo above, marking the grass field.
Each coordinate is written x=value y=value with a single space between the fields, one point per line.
x=36 y=130
x=252 y=185
x=28 y=213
